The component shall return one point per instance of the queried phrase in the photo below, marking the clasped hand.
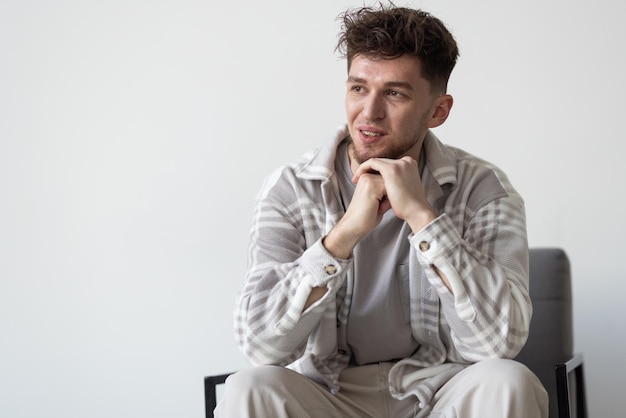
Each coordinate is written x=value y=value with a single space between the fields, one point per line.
x=381 y=184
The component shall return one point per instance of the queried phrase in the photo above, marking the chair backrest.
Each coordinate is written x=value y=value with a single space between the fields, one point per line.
x=550 y=341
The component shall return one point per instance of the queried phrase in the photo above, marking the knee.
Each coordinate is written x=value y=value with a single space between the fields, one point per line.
x=250 y=390
x=503 y=375
x=502 y=369
x=250 y=380
x=504 y=388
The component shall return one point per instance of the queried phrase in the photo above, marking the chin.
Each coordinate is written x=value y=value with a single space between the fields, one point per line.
x=361 y=155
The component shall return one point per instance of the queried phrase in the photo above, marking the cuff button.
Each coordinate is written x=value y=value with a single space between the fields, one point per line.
x=330 y=269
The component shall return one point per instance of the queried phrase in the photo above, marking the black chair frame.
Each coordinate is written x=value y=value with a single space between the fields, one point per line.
x=563 y=371
x=210 y=392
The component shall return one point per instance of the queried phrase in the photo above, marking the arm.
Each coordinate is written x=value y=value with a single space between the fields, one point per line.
x=403 y=193
x=476 y=258
x=285 y=261
x=364 y=213
x=294 y=270
x=487 y=305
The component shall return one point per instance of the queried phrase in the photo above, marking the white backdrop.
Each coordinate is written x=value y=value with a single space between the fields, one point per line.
x=135 y=134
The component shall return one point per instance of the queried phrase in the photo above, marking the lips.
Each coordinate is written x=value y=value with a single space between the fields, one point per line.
x=370 y=134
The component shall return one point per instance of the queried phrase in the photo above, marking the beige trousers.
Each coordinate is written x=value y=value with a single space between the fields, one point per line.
x=488 y=389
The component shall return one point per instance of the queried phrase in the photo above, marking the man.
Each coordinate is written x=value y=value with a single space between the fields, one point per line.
x=388 y=273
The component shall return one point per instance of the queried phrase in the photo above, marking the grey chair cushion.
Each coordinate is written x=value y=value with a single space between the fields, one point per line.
x=551 y=336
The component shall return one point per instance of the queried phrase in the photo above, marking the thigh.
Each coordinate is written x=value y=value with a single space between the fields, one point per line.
x=273 y=391
x=278 y=392
x=491 y=388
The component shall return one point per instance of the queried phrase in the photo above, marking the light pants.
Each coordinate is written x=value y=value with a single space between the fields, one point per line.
x=488 y=389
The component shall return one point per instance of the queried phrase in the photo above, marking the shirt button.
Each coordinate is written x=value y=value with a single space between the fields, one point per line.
x=424 y=246
x=330 y=269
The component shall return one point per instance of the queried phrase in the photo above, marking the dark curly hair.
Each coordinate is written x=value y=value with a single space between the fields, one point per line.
x=390 y=32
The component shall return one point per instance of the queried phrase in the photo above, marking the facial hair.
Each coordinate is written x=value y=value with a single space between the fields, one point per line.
x=395 y=150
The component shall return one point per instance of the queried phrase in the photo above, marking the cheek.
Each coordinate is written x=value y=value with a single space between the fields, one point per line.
x=411 y=121
x=350 y=108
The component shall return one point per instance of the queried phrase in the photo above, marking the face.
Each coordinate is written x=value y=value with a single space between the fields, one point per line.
x=389 y=107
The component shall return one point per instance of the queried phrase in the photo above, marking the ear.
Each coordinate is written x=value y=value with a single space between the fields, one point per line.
x=440 y=111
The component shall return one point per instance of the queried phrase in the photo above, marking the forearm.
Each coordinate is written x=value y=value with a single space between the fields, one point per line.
x=486 y=300
x=338 y=244
x=273 y=320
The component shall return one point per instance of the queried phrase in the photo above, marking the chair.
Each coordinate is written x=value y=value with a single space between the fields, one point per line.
x=549 y=349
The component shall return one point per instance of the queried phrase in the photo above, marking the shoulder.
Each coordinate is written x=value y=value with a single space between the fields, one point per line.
x=309 y=170
x=476 y=169
x=479 y=180
x=287 y=176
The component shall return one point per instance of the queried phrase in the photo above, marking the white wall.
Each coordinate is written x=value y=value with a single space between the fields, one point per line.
x=134 y=135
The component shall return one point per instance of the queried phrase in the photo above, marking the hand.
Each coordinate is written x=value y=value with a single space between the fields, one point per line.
x=402 y=187
x=404 y=192
x=365 y=212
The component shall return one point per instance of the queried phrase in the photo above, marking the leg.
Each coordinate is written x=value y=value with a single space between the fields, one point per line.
x=491 y=389
x=277 y=392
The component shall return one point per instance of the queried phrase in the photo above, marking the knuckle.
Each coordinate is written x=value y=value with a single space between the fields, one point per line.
x=366 y=179
x=409 y=160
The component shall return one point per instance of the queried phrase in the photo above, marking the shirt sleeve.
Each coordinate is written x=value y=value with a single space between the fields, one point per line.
x=488 y=307
x=284 y=264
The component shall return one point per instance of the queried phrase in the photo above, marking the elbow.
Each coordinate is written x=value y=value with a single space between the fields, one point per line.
x=510 y=345
x=504 y=346
x=262 y=351
x=256 y=356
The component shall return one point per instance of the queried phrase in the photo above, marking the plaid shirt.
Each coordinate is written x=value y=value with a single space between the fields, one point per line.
x=478 y=242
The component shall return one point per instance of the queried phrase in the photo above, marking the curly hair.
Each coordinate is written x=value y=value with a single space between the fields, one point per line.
x=390 y=32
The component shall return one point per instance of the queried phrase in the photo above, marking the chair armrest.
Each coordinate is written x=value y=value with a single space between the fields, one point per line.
x=210 y=394
x=563 y=370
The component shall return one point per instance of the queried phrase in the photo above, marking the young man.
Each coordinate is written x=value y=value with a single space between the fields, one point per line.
x=388 y=273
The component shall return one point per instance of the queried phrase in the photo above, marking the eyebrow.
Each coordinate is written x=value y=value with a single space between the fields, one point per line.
x=403 y=84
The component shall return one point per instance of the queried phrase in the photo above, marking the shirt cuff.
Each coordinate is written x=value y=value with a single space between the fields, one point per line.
x=321 y=266
x=437 y=239
x=435 y=245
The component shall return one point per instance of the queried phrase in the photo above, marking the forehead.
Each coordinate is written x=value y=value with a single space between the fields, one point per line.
x=405 y=69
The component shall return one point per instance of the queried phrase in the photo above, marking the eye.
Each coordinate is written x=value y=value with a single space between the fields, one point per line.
x=357 y=89
x=394 y=93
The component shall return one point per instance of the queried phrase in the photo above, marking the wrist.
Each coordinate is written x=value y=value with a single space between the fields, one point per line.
x=340 y=244
x=420 y=219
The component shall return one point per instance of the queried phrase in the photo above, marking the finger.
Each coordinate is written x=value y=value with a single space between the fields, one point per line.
x=373 y=182
x=373 y=165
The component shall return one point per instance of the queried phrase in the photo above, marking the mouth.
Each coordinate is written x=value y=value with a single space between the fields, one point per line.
x=370 y=134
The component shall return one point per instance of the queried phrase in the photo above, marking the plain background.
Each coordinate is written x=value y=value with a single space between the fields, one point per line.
x=134 y=136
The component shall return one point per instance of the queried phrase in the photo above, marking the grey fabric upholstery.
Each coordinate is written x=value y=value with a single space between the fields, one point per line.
x=550 y=341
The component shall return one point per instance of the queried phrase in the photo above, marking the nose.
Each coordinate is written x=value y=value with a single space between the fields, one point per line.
x=374 y=107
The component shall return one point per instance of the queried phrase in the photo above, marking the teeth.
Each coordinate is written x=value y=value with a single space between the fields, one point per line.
x=368 y=133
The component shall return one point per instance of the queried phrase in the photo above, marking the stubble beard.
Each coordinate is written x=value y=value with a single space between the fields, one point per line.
x=393 y=152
